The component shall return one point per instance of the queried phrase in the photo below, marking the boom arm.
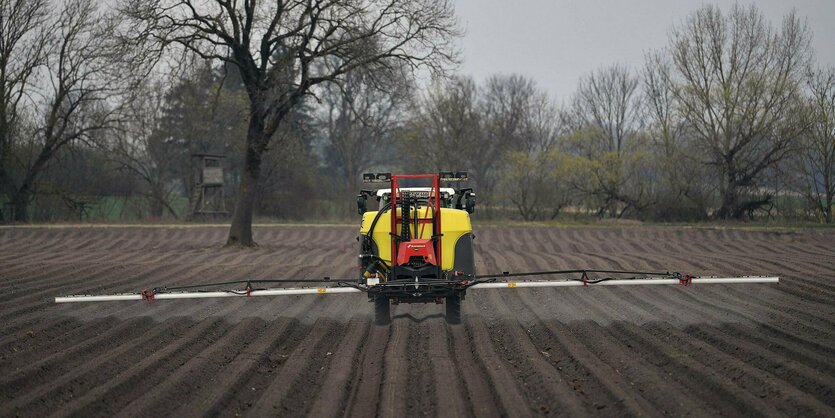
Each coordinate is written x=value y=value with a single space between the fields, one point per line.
x=490 y=281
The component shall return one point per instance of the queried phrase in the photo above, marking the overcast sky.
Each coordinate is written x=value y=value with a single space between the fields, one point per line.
x=558 y=42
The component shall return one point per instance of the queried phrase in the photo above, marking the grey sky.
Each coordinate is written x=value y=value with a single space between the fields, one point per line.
x=558 y=42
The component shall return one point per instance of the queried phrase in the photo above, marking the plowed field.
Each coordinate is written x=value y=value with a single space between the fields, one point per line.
x=731 y=350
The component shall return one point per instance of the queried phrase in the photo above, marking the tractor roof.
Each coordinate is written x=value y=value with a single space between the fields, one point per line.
x=449 y=191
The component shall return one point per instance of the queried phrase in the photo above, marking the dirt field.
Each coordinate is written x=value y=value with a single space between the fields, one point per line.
x=732 y=350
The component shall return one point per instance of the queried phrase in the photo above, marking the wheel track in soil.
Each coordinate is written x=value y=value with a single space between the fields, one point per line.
x=422 y=396
x=601 y=351
x=445 y=371
x=394 y=385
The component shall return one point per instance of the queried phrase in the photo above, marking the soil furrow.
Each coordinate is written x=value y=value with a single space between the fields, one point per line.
x=186 y=379
x=365 y=395
x=502 y=382
x=714 y=390
x=802 y=377
x=47 y=369
x=472 y=371
x=90 y=376
x=720 y=350
x=770 y=389
x=137 y=378
x=394 y=385
x=342 y=372
x=268 y=339
x=447 y=380
x=781 y=347
x=302 y=366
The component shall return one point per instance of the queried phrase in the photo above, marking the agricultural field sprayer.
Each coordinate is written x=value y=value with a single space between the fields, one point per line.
x=417 y=247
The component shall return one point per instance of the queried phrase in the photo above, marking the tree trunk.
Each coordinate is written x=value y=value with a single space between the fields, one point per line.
x=240 y=233
x=20 y=206
x=157 y=206
x=21 y=197
x=730 y=199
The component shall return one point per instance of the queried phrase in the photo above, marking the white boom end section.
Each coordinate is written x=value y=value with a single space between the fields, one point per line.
x=201 y=295
x=625 y=282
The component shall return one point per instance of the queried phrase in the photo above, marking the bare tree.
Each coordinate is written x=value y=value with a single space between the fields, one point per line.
x=23 y=39
x=282 y=49
x=606 y=115
x=739 y=85
x=816 y=155
x=446 y=126
x=357 y=121
x=205 y=111
x=459 y=126
x=608 y=99
x=141 y=147
x=506 y=103
x=72 y=99
x=682 y=182
x=534 y=178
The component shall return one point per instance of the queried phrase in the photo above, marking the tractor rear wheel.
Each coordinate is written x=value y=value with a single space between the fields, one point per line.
x=382 y=311
x=453 y=310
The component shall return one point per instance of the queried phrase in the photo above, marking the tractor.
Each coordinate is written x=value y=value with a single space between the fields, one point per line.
x=417 y=247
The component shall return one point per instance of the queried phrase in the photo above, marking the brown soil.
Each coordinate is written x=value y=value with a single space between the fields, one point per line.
x=730 y=350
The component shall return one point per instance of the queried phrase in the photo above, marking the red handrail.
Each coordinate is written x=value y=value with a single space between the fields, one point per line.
x=436 y=192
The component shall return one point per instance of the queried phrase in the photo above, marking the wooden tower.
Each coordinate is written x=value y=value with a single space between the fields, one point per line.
x=207 y=198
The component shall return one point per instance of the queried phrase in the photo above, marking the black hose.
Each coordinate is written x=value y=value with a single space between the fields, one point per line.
x=583 y=271
x=165 y=289
x=367 y=243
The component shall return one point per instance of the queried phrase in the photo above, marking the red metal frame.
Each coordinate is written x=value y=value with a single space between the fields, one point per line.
x=395 y=220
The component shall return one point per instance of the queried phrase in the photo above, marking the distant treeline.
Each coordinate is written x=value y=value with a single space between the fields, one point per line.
x=732 y=120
